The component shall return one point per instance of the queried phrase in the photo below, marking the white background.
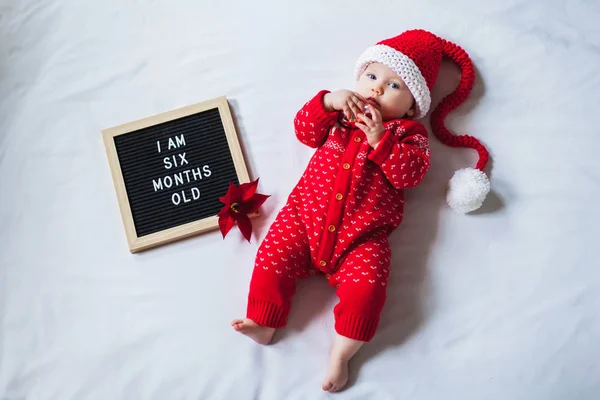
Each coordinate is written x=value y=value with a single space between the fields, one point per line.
x=502 y=304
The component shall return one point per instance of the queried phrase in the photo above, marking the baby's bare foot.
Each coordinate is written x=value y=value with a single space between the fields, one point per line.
x=260 y=334
x=337 y=375
x=342 y=351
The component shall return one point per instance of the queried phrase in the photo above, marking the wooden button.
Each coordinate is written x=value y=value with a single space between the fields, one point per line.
x=346 y=166
x=331 y=228
x=339 y=196
x=357 y=139
x=327 y=276
x=323 y=263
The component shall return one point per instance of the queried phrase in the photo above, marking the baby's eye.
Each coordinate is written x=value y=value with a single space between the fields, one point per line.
x=371 y=76
x=394 y=85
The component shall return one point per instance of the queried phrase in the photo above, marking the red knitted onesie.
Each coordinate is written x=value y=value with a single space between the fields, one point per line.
x=337 y=219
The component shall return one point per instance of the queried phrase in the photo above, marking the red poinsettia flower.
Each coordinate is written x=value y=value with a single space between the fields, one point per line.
x=239 y=202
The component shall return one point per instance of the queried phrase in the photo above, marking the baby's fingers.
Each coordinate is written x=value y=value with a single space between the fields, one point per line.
x=368 y=121
x=362 y=127
x=353 y=107
x=359 y=97
x=359 y=101
x=375 y=114
x=347 y=112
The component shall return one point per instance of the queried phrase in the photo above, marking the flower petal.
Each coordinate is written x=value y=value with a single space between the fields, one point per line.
x=253 y=204
x=245 y=226
x=248 y=189
x=226 y=222
x=233 y=195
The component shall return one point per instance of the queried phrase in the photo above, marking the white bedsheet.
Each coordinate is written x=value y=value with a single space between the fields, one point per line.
x=502 y=304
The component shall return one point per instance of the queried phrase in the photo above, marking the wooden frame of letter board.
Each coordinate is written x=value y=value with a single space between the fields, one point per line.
x=183 y=231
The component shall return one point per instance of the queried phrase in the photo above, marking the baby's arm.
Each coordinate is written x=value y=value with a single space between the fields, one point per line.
x=313 y=121
x=403 y=154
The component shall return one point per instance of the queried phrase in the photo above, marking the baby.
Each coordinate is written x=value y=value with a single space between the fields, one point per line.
x=337 y=220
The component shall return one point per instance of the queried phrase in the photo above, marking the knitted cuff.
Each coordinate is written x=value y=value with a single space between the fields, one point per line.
x=266 y=313
x=316 y=108
x=356 y=327
x=382 y=152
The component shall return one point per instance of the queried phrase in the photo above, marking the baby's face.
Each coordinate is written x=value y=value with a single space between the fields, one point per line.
x=382 y=85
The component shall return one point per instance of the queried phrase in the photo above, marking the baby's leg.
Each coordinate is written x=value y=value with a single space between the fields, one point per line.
x=361 y=285
x=282 y=258
x=342 y=351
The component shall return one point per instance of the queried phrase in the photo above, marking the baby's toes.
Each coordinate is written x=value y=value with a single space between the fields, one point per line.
x=238 y=326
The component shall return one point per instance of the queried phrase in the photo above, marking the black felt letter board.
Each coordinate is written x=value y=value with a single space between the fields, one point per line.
x=176 y=171
x=170 y=170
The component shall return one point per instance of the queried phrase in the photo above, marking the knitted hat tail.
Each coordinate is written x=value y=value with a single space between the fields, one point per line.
x=469 y=186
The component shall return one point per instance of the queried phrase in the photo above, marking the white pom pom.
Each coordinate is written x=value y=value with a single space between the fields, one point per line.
x=468 y=188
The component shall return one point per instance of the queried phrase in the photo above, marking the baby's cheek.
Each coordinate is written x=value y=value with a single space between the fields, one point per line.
x=362 y=90
x=396 y=109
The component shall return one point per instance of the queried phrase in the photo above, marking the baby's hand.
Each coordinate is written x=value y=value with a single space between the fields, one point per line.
x=349 y=102
x=372 y=126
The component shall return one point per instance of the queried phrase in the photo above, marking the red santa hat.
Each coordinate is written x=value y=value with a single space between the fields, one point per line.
x=416 y=56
